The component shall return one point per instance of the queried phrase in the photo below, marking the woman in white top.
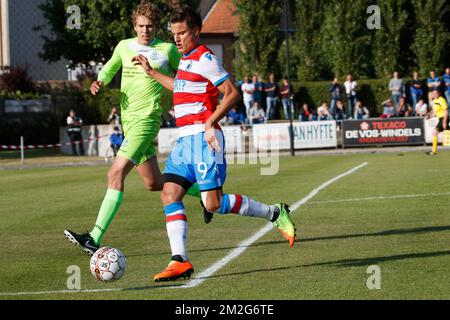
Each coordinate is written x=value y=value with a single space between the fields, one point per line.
x=350 y=91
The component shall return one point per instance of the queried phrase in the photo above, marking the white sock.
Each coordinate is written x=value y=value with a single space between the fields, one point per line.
x=246 y=206
x=252 y=208
x=176 y=225
x=177 y=232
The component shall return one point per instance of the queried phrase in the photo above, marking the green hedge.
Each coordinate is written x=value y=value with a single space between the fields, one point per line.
x=39 y=128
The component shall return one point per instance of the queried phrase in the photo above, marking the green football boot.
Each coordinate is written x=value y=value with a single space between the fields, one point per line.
x=284 y=223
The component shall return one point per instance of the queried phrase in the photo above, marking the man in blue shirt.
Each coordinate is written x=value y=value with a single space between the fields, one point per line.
x=271 y=89
x=259 y=88
x=446 y=80
x=415 y=90
x=234 y=117
x=116 y=140
x=433 y=82
x=335 y=91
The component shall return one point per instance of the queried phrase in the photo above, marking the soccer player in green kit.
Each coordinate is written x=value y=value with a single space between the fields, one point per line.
x=140 y=101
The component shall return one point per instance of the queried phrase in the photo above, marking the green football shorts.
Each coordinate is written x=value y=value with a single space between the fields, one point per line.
x=139 y=144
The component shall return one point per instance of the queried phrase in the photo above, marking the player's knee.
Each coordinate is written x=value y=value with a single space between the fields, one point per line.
x=115 y=177
x=167 y=197
x=213 y=205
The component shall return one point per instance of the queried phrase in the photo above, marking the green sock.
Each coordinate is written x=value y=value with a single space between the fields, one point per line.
x=194 y=191
x=110 y=205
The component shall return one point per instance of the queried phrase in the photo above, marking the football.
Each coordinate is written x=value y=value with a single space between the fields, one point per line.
x=108 y=264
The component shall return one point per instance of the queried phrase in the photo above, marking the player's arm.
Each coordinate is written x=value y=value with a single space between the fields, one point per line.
x=165 y=81
x=108 y=71
x=230 y=98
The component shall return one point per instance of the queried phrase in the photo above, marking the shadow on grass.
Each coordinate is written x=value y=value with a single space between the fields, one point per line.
x=337 y=237
x=163 y=286
x=384 y=233
x=364 y=262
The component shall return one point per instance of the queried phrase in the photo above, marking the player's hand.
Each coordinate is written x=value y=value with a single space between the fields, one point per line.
x=142 y=60
x=211 y=139
x=95 y=87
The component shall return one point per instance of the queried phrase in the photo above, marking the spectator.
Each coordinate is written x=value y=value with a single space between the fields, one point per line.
x=340 y=111
x=171 y=121
x=446 y=81
x=397 y=89
x=286 y=98
x=235 y=117
x=74 y=124
x=433 y=82
x=257 y=114
x=388 y=109
x=259 y=89
x=116 y=139
x=114 y=118
x=305 y=113
x=361 y=112
x=421 y=109
x=323 y=113
x=335 y=91
x=416 y=89
x=248 y=89
x=404 y=109
x=271 y=89
x=350 y=91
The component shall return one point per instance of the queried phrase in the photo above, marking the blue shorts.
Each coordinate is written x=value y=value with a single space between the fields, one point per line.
x=192 y=160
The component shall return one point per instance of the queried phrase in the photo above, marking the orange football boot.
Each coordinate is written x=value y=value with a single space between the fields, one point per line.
x=175 y=270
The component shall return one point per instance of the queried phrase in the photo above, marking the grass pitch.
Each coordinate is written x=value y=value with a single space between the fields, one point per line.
x=392 y=213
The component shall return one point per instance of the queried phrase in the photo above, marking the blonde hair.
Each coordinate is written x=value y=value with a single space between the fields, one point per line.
x=148 y=10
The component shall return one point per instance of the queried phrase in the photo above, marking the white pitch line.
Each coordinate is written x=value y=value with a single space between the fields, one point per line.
x=204 y=275
x=400 y=196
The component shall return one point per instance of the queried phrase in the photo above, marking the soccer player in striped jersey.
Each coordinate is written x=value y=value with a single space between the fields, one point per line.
x=198 y=155
x=140 y=101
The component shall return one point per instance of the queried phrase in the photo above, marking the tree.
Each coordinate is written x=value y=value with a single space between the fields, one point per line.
x=431 y=34
x=387 y=45
x=307 y=44
x=259 y=36
x=103 y=24
x=345 y=38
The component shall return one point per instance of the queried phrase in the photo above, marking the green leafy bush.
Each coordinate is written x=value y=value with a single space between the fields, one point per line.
x=36 y=128
x=16 y=79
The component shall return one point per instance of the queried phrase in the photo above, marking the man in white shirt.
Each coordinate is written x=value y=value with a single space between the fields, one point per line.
x=248 y=88
x=350 y=91
x=257 y=115
x=74 y=124
x=421 y=108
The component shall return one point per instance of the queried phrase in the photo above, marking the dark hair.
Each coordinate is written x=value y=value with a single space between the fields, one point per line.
x=186 y=13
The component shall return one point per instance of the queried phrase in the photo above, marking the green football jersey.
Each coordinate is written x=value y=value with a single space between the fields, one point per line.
x=140 y=94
